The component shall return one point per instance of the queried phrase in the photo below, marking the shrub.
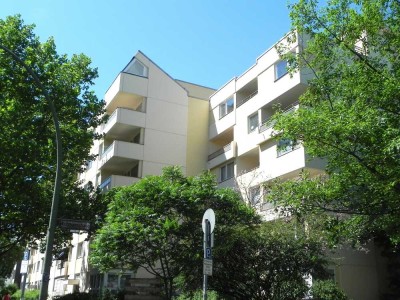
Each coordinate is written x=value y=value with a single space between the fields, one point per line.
x=28 y=295
x=198 y=295
x=77 y=296
x=327 y=290
x=9 y=289
x=104 y=295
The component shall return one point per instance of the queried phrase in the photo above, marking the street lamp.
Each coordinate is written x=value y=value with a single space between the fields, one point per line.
x=57 y=184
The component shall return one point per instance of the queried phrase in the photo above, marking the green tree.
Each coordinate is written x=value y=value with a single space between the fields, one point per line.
x=326 y=290
x=349 y=116
x=156 y=224
x=264 y=261
x=28 y=152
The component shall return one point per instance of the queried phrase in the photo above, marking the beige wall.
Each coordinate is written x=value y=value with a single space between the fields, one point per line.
x=197 y=137
x=357 y=272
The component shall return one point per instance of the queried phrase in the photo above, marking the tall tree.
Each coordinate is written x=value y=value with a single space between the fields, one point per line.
x=27 y=138
x=349 y=116
x=156 y=224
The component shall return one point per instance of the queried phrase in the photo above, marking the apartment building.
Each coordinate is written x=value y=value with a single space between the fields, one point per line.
x=155 y=121
x=243 y=154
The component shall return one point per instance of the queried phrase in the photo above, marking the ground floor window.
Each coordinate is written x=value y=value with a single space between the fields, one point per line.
x=226 y=171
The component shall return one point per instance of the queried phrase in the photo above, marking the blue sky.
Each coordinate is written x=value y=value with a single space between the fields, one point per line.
x=207 y=42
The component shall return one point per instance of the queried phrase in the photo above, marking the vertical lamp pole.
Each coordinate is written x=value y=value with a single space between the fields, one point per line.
x=57 y=184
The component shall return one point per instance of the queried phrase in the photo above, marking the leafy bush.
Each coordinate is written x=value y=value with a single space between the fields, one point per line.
x=327 y=290
x=198 y=295
x=9 y=289
x=104 y=295
x=77 y=296
x=28 y=295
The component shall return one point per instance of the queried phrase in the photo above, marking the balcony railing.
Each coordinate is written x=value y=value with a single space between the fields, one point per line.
x=107 y=150
x=105 y=185
x=243 y=101
x=224 y=149
x=267 y=124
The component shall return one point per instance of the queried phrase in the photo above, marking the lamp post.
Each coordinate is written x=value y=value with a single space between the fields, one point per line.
x=57 y=184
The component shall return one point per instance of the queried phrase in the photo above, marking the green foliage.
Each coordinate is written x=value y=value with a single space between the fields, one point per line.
x=349 y=117
x=28 y=160
x=9 y=289
x=9 y=257
x=198 y=295
x=28 y=295
x=326 y=290
x=265 y=261
x=156 y=224
x=106 y=294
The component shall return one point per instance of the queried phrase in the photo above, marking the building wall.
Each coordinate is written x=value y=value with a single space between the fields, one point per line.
x=197 y=137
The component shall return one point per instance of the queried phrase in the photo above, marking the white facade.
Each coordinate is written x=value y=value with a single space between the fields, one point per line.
x=243 y=154
x=156 y=121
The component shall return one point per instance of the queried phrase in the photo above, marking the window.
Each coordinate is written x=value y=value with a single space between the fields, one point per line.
x=280 y=69
x=136 y=67
x=100 y=149
x=79 y=251
x=87 y=186
x=226 y=172
x=136 y=138
x=89 y=164
x=96 y=281
x=134 y=172
x=124 y=281
x=253 y=122
x=98 y=179
x=255 y=195
x=226 y=107
x=70 y=254
x=112 y=281
x=285 y=146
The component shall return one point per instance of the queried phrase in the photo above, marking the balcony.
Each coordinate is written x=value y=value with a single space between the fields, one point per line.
x=222 y=127
x=127 y=90
x=121 y=123
x=119 y=154
x=266 y=127
x=117 y=180
x=222 y=155
x=247 y=92
x=242 y=101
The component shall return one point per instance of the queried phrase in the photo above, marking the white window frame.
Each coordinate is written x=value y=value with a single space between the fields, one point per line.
x=226 y=107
